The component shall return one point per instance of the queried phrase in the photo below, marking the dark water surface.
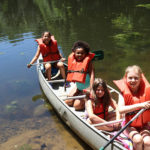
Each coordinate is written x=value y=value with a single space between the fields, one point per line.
x=120 y=28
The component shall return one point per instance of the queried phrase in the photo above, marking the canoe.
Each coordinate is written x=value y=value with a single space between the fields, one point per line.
x=76 y=120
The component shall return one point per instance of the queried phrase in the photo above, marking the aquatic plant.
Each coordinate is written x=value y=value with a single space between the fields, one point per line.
x=144 y=5
x=25 y=147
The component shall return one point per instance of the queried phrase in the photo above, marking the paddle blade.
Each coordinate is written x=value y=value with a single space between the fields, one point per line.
x=99 y=55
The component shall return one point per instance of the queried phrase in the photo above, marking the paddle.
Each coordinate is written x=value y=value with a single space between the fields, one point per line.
x=99 y=55
x=45 y=62
x=75 y=97
x=140 y=112
x=107 y=123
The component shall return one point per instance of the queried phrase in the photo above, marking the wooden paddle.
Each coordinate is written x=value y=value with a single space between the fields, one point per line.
x=99 y=55
x=110 y=141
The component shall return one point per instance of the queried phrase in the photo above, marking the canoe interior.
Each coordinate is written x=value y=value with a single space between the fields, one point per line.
x=76 y=120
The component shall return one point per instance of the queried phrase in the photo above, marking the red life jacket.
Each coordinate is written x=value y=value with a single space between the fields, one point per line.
x=99 y=108
x=142 y=96
x=99 y=111
x=49 y=52
x=77 y=70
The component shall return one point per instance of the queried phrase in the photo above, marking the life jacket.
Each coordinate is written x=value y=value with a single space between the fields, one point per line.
x=99 y=111
x=142 y=96
x=49 y=52
x=99 y=108
x=77 y=70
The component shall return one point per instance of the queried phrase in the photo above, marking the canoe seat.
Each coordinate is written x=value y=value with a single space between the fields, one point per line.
x=56 y=81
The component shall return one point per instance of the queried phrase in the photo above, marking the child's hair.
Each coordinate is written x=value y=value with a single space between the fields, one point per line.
x=136 y=68
x=107 y=97
x=47 y=32
x=81 y=44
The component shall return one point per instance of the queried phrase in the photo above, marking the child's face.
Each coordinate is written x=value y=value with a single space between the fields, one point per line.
x=46 y=38
x=80 y=54
x=99 y=92
x=133 y=80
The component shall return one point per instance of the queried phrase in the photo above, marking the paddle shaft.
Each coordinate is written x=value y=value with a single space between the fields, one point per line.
x=140 y=112
x=99 y=54
x=75 y=97
x=107 y=123
x=45 y=62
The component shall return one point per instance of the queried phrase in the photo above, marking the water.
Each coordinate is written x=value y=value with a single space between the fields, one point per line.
x=120 y=28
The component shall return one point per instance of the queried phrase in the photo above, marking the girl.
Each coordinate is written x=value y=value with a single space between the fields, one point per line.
x=136 y=95
x=81 y=71
x=98 y=104
x=47 y=46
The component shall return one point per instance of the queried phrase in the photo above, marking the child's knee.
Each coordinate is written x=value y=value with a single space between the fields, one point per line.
x=79 y=104
x=69 y=102
x=60 y=64
x=47 y=66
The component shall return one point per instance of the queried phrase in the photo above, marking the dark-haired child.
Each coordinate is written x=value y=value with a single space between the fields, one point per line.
x=47 y=46
x=80 y=71
x=97 y=106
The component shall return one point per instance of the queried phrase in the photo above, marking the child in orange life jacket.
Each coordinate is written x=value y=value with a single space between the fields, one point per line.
x=97 y=106
x=135 y=90
x=81 y=71
x=47 y=46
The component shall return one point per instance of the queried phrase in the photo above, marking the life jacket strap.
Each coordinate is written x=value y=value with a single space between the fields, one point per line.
x=80 y=71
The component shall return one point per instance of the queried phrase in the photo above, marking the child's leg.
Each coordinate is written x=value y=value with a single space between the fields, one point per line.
x=74 y=92
x=146 y=138
x=135 y=136
x=79 y=104
x=111 y=116
x=69 y=102
x=60 y=65
x=48 y=70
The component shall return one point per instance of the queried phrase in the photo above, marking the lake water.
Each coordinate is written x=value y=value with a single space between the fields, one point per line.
x=120 y=28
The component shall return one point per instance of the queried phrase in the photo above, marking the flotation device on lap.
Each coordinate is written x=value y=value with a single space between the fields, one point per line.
x=77 y=70
x=142 y=96
x=49 y=52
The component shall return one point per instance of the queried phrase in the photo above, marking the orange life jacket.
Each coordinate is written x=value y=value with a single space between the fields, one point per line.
x=77 y=70
x=142 y=96
x=49 y=52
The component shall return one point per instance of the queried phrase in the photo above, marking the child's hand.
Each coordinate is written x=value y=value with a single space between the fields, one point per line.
x=145 y=105
x=29 y=65
x=62 y=59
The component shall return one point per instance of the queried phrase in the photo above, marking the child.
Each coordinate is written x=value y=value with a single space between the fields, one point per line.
x=47 y=46
x=81 y=71
x=98 y=104
x=136 y=95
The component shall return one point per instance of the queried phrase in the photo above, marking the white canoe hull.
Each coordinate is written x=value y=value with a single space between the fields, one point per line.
x=93 y=137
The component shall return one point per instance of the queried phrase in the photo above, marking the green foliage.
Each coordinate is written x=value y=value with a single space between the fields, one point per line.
x=144 y=5
x=123 y=22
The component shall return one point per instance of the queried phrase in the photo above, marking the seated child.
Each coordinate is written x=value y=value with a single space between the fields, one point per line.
x=81 y=71
x=97 y=106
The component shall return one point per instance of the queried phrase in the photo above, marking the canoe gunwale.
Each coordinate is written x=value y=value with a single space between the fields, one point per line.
x=61 y=108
